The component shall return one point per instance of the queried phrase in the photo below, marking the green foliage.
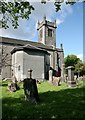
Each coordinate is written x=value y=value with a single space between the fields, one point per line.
x=56 y=102
x=71 y=60
x=80 y=68
x=58 y=3
x=11 y=12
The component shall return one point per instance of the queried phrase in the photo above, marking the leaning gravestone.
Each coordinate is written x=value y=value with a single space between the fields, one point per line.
x=56 y=81
x=12 y=87
x=30 y=88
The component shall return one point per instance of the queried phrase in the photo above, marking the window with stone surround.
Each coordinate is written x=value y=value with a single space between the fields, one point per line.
x=49 y=32
x=19 y=68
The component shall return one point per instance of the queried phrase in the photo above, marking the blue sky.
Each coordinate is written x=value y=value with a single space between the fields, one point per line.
x=70 y=32
x=69 y=26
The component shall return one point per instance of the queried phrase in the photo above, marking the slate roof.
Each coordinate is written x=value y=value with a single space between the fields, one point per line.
x=17 y=42
x=26 y=47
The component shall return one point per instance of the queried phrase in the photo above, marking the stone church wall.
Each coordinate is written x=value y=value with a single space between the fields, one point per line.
x=35 y=61
x=6 y=60
x=17 y=65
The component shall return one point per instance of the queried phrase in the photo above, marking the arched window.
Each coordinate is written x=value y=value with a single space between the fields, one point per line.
x=49 y=32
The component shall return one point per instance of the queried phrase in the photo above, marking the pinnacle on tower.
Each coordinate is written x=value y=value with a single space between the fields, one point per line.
x=61 y=46
x=55 y=23
x=38 y=22
x=44 y=17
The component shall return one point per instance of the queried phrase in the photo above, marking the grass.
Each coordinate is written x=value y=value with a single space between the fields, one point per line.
x=56 y=102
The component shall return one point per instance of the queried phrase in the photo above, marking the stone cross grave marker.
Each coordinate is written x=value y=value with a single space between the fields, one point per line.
x=30 y=71
x=30 y=88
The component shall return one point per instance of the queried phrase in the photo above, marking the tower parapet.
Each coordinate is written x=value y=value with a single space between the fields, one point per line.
x=47 y=32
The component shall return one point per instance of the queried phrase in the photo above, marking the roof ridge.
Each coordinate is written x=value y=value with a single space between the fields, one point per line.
x=17 y=39
x=33 y=47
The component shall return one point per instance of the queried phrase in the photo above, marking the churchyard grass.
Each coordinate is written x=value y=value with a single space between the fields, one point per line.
x=56 y=102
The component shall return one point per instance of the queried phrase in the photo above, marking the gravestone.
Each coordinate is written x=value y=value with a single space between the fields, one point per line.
x=50 y=75
x=12 y=87
x=71 y=82
x=30 y=72
x=30 y=89
x=56 y=81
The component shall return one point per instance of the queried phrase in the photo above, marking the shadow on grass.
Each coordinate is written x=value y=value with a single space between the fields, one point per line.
x=64 y=104
x=5 y=85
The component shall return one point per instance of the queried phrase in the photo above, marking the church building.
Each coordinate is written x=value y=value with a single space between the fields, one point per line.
x=41 y=56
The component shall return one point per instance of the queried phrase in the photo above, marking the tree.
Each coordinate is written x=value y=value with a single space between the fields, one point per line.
x=5 y=57
x=80 y=68
x=71 y=60
x=13 y=11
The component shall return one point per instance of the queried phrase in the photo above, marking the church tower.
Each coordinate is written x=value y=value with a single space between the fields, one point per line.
x=47 y=32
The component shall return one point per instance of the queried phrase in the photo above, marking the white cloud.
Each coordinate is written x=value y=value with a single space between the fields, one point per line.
x=80 y=56
x=59 y=21
x=24 y=31
x=27 y=28
x=64 y=12
x=43 y=9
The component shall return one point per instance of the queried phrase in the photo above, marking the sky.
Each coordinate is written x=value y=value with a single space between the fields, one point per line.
x=69 y=30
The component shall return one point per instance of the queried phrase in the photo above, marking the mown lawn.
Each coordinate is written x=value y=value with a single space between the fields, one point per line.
x=56 y=102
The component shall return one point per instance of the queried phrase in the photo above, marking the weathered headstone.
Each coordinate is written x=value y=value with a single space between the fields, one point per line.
x=71 y=82
x=50 y=75
x=30 y=88
x=12 y=87
x=56 y=81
